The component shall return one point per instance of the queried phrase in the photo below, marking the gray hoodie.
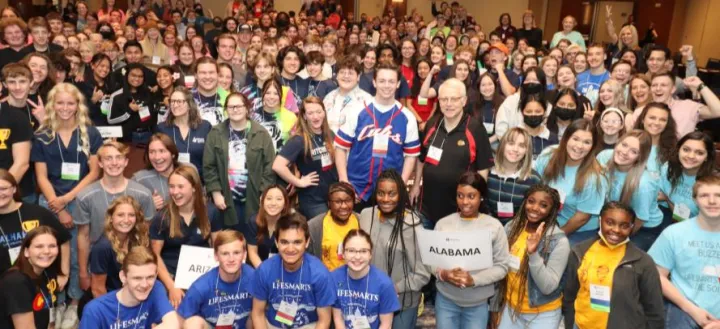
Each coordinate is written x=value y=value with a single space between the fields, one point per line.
x=408 y=285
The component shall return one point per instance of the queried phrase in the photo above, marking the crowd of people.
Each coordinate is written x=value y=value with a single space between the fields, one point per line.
x=317 y=146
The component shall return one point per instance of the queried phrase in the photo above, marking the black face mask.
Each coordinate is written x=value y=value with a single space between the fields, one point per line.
x=217 y=24
x=533 y=121
x=564 y=113
x=107 y=35
x=531 y=88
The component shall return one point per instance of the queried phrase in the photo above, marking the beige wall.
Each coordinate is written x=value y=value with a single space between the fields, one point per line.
x=552 y=17
x=701 y=24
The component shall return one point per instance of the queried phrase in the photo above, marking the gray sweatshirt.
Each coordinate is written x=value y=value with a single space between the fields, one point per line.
x=484 y=279
x=408 y=285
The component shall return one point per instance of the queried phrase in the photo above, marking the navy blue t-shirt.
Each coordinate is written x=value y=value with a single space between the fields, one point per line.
x=194 y=143
x=265 y=248
x=210 y=296
x=299 y=86
x=294 y=152
x=160 y=230
x=103 y=260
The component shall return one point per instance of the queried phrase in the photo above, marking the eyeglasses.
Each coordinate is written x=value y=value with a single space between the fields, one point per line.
x=453 y=100
x=341 y=202
x=236 y=108
x=355 y=252
x=178 y=101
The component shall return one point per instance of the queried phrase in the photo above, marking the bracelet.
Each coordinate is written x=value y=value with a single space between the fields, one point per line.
x=701 y=87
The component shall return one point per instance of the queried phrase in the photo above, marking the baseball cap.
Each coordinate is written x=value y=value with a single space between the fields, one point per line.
x=501 y=47
x=245 y=28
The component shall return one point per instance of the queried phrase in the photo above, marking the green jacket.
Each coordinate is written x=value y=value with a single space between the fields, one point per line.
x=260 y=155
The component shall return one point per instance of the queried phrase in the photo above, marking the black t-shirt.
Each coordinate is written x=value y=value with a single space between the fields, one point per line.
x=14 y=128
x=20 y=294
x=294 y=151
x=9 y=55
x=31 y=216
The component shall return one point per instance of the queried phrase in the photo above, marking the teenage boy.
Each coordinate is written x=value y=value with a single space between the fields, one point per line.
x=94 y=200
x=386 y=53
x=506 y=78
x=686 y=255
x=16 y=128
x=589 y=82
x=659 y=60
x=686 y=113
x=292 y=290
x=55 y=22
x=347 y=96
x=14 y=37
x=133 y=54
x=141 y=303
x=210 y=98
x=226 y=47
x=40 y=38
x=220 y=297
x=377 y=136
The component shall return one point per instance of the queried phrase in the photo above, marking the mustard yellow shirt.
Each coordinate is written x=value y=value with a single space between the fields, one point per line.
x=517 y=257
x=597 y=268
x=333 y=235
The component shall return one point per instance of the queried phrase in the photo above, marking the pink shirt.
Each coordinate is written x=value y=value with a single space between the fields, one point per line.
x=685 y=112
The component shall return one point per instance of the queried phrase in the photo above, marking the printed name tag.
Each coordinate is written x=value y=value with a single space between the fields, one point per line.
x=70 y=171
x=225 y=320
x=514 y=263
x=286 y=313
x=13 y=252
x=433 y=156
x=340 y=251
x=189 y=81
x=184 y=157
x=52 y=313
x=505 y=209
x=380 y=146
x=105 y=106
x=110 y=131
x=489 y=127
x=144 y=113
x=156 y=60
x=422 y=100
x=326 y=162
x=361 y=322
x=681 y=212
x=600 y=298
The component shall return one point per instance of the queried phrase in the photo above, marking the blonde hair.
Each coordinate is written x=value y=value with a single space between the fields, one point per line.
x=228 y=236
x=635 y=38
x=634 y=175
x=120 y=147
x=138 y=236
x=526 y=163
x=173 y=211
x=139 y=256
x=50 y=124
x=618 y=97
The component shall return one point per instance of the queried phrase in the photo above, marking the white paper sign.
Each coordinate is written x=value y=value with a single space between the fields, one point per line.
x=467 y=250
x=193 y=262
x=110 y=131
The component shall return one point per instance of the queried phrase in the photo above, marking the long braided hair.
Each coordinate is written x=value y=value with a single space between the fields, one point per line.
x=515 y=230
x=396 y=235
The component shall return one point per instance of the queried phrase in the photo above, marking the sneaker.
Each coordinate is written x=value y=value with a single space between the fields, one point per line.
x=70 y=317
x=59 y=311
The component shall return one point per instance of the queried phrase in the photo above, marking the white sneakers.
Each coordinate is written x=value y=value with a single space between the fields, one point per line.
x=69 y=318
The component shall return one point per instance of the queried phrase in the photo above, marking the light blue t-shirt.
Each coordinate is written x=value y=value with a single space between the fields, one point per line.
x=309 y=287
x=589 y=84
x=105 y=312
x=653 y=164
x=680 y=194
x=370 y=296
x=210 y=296
x=692 y=255
x=589 y=201
x=644 y=199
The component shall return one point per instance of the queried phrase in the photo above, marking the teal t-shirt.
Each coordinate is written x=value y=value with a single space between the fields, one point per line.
x=692 y=256
x=680 y=195
x=589 y=201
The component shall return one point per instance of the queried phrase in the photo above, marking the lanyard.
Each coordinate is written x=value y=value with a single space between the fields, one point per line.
x=161 y=183
x=372 y=112
x=48 y=301
x=282 y=280
x=7 y=241
x=237 y=293
x=285 y=82
x=512 y=194
x=367 y=286
x=105 y=193
x=77 y=153
x=189 y=138
x=117 y=316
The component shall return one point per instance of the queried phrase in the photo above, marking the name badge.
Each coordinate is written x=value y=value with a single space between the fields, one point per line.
x=199 y=232
x=105 y=106
x=422 y=100
x=681 y=212
x=600 y=298
x=563 y=195
x=449 y=60
x=489 y=127
x=156 y=60
x=270 y=255
x=505 y=209
x=144 y=113
x=286 y=313
x=340 y=251
x=189 y=81
x=14 y=253
x=184 y=157
x=380 y=146
x=52 y=313
x=326 y=162
x=70 y=171
x=514 y=263
x=361 y=322
x=433 y=156
x=225 y=320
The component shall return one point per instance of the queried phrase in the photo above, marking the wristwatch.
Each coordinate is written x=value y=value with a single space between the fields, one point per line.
x=701 y=87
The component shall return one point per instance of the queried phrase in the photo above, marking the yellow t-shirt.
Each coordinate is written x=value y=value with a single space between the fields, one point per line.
x=517 y=256
x=333 y=235
x=597 y=269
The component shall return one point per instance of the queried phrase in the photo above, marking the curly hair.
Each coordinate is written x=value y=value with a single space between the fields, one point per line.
x=138 y=235
x=50 y=124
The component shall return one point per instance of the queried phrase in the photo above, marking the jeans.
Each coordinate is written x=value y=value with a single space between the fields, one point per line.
x=577 y=237
x=405 y=319
x=550 y=319
x=140 y=138
x=73 y=286
x=646 y=236
x=449 y=315
x=310 y=210
x=675 y=318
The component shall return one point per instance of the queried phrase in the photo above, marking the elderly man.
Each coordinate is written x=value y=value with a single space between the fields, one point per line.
x=451 y=145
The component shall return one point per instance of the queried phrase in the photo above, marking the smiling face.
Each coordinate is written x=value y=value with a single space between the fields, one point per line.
x=692 y=154
x=160 y=157
x=568 y=24
x=655 y=121
x=139 y=280
x=640 y=91
x=550 y=68
x=607 y=96
x=580 y=63
x=263 y=70
x=207 y=76
x=112 y=162
x=615 y=225
x=178 y=104
x=237 y=111
x=579 y=145
x=182 y=192
x=123 y=218
x=388 y=197
x=65 y=106
x=656 y=62
x=7 y=191
x=611 y=124
x=271 y=98
x=101 y=68
x=314 y=116
x=291 y=244
x=230 y=256
x=627 y=152
x=273 y=202
x=357 y=253
x=14 y=36
x=386 y=82
x=566 y=77
x=43 y=251
x=621 y=73
x=487 y=87
x=662 y=88
x=538 y=206
x=186 y=56
x=468 y=200
x=341 y=206
x=515 y=149
x=291 y=63
x=436 y=55
x=225 y=78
